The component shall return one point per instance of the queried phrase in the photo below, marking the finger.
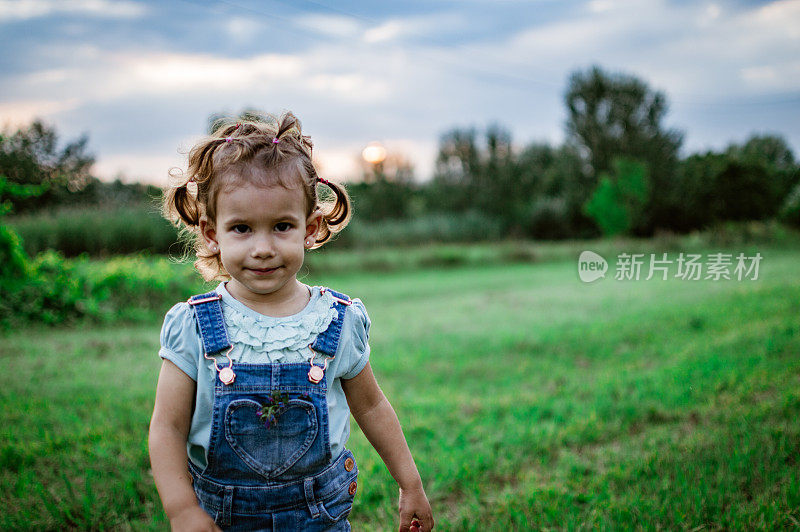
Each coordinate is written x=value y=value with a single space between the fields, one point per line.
x=405 y=522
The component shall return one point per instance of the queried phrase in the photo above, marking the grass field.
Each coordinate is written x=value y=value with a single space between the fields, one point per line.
x=529 y=399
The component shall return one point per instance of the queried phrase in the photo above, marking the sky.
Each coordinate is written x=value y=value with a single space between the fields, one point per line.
x=140 y=78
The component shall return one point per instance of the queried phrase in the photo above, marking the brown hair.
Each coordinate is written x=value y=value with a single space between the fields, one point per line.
x=262 y=152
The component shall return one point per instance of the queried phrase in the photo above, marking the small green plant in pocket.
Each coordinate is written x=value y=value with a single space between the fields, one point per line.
x=268 y=411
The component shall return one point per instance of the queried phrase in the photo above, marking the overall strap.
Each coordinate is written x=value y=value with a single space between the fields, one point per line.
x=327 y=341
x=208 y=313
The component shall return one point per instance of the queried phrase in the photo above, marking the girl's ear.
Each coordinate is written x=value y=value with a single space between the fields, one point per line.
x=312 y=226
x=209 y=233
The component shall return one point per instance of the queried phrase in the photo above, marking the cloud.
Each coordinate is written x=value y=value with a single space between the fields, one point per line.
x=13 y=10
x=22 y=112
x=337 y=26
x=137 y=166
x=387 y=31
x=108 y=75
x=399 y=80
x=783 y=76
x=243 y=30
x=690 y=50
x=436 y=26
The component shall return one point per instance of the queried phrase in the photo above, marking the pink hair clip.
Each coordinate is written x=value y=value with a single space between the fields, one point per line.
x=229 y=138
x=276 y=140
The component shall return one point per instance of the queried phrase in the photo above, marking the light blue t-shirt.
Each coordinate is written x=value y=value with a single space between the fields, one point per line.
x=260 y=339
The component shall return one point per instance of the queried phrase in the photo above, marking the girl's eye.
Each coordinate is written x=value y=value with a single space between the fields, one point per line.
x=240 y=228
x=283 y=226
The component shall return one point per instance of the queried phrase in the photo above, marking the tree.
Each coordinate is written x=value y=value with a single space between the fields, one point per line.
x=694 y=194
x=774 y=156
x=750 y=181
x=617 y=115
x=559 y=186
x=743 y=191
x=482 y=175
x=766 y=150
x=30 y=156
x=790 y=210
x=619 y=200
x=387 y=190
x=457 y=164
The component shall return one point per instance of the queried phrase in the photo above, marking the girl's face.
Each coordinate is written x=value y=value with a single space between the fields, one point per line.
x=261 y=235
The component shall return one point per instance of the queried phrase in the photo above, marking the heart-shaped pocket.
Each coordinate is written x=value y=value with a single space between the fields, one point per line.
x=270 y=451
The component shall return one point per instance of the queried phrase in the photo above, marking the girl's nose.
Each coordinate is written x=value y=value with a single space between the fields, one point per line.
x=262 y=247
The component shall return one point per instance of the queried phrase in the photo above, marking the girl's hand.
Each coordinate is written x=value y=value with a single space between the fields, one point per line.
x=194 y=519
x=415 y=511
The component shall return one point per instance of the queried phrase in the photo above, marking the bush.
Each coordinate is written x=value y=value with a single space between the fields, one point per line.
x=790 y=211
x=732 y=233
x=138 y=228
x=548 y=218
x=99 y=232
x=617 y=204
x=430 y=228
x=60 y=290
x=133 y=285
x=13 y=261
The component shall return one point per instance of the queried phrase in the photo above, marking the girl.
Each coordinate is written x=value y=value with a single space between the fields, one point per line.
x=251 y=412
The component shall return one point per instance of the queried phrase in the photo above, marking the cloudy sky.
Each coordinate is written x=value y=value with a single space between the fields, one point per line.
x=140 y=78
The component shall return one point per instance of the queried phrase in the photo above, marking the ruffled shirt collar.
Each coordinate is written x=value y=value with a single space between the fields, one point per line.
x=277 y=335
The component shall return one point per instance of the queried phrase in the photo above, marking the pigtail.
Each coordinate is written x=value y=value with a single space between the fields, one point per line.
x=178 y=206
x=287 y=123
x=338 y=213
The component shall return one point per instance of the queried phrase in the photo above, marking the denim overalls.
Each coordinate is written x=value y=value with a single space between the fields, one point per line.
x=269 y=457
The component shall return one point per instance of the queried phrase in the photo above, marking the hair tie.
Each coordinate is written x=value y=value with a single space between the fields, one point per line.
x=323 y=180
x=276 y=140
x=230 y=138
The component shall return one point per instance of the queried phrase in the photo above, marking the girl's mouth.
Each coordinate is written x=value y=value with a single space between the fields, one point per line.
x=265 y=271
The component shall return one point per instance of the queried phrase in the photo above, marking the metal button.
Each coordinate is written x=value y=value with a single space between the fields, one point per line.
x=348 y=464
x=353 y=486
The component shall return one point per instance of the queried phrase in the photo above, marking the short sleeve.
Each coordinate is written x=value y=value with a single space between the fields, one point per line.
x=179 y=339
x=357 y=343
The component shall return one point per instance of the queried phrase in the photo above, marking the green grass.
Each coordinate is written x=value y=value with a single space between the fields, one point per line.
x=530 y=400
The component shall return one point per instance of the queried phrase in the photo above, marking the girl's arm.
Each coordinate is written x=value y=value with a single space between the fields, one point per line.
x=169 y=429
x=380 y=425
